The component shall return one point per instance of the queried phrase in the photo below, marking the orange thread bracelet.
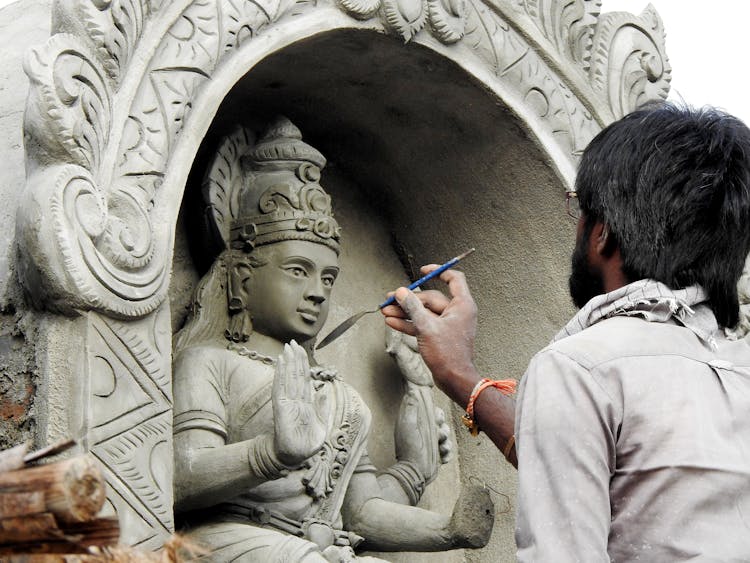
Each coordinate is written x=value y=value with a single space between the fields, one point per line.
x=505 y=386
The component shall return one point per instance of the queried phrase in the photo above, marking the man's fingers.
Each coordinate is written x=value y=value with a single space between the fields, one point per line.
x=393 y=311
x=434 y=300
x=457 y=285
x=401 y=325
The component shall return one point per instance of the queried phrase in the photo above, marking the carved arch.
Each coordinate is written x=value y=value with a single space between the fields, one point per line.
x=113 y=92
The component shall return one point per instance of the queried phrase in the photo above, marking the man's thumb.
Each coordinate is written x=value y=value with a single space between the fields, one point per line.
x=412 y=306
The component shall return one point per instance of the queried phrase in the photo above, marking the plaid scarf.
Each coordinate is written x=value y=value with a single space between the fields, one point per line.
x=653 y=301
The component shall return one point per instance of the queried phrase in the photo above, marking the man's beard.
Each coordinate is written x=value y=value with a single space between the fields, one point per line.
x=584 y=282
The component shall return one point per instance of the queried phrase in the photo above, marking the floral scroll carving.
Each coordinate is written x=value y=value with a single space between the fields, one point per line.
x=99 y=240
x=86 y=224
x=629 y=64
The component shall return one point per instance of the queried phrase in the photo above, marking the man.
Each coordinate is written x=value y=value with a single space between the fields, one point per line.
x=632 y=428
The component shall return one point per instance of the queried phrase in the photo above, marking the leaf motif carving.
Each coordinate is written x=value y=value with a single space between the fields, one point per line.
x=567 y=24
x=221 y=185
x=360 y=9
x=447 y=19
x=69 y=109
x=403 y=18
x=115 y=27
x=241 y=20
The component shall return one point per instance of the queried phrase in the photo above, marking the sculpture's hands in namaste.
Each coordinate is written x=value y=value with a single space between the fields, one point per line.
x=300 y=420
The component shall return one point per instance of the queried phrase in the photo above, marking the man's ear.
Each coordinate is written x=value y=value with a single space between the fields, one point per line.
x=605 y=242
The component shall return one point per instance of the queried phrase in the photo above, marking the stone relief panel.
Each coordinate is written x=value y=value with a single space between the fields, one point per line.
x=130 y=422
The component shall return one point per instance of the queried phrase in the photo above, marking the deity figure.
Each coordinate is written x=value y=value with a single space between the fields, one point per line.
x=271 y=458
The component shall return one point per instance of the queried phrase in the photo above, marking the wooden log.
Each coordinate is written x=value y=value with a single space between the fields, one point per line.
x=53 y=449
x=36 y=534
x=23 y=529
x=21 y=504
x=74 y=489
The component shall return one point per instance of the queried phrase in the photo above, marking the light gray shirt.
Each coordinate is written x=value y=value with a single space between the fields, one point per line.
x=633 y=435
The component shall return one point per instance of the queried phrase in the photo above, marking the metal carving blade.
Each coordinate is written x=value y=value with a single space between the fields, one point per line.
x=348 y=323
x=343 y=327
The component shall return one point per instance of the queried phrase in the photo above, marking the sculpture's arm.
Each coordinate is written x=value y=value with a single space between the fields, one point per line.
x=421 y=435
x=209 y=471
x=387 y=526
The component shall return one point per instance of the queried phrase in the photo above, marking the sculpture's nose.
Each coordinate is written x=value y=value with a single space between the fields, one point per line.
x=315 y=291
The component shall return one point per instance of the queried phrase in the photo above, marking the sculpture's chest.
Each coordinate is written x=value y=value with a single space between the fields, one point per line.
x=250 y=410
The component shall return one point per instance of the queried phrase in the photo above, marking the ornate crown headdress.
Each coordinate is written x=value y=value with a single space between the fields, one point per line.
x=268 y=192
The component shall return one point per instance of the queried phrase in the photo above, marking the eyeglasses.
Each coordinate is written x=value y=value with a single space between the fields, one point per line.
x=572 y=205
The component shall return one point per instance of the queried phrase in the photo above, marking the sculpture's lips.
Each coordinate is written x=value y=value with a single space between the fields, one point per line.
x=310 y=315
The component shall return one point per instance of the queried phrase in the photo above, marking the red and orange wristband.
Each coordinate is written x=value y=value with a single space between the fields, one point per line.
x=506 y=387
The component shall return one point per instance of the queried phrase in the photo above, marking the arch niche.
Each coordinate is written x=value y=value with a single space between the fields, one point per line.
x=446 y=125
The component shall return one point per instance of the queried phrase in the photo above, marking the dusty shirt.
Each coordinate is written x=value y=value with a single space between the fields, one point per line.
x=633 y=435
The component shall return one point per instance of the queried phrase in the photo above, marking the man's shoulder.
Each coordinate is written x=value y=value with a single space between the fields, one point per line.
x=631 y=336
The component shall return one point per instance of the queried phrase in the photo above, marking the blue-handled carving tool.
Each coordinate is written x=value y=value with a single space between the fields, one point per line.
x=348 y=323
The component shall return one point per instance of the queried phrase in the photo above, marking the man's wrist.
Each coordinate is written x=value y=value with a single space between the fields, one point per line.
x=459 y=384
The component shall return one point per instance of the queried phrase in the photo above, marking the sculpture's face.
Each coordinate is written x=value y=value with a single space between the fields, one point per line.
x=288 y=297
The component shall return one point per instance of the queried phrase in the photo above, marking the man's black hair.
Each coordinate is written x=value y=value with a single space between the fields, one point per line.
x=673 y=184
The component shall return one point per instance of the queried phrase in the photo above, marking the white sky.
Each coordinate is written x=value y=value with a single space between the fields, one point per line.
x=706 y=44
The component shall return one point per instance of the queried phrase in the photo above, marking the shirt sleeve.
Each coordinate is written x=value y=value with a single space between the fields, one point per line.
x=566 y=435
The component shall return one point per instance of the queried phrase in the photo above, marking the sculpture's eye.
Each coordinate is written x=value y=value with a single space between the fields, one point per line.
x=328 y=280
x=296 y=272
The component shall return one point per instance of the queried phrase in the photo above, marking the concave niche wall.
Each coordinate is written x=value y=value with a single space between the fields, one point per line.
x=423 y=163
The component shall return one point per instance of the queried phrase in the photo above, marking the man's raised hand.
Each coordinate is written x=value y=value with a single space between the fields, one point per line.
x=445 y=329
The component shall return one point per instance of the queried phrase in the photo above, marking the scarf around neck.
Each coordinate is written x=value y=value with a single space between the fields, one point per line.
x=654 y=302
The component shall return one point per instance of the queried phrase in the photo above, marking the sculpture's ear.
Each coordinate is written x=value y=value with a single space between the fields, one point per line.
x=239 y=272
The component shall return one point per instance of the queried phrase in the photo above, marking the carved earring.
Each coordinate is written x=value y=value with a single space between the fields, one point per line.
x=240 y=324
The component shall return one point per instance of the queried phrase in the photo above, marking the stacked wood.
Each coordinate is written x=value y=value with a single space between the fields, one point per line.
x=52 y=508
